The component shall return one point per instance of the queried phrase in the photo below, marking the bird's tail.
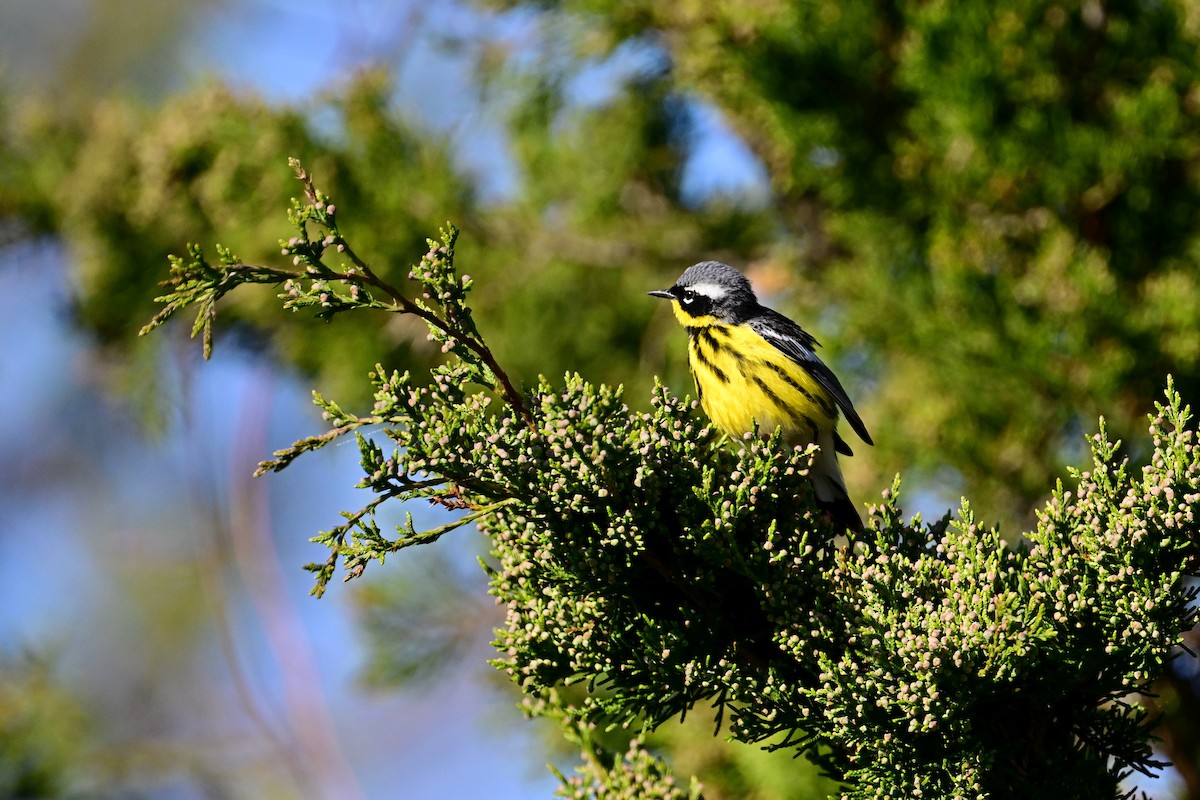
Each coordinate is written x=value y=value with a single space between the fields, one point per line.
x=830 y=488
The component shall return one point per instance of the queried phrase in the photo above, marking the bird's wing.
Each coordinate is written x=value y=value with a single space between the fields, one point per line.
x=797 y=344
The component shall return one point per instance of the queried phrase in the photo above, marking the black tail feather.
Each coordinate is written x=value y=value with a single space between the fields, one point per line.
x=841 y=513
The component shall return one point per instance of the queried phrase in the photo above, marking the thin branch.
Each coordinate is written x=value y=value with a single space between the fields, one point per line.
x=433 y=534
x=366 y=277
x=362 y=275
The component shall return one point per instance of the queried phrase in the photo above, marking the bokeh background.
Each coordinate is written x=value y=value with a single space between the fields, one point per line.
x=987 y=212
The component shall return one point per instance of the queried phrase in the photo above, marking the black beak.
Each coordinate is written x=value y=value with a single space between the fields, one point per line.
x=666 y=293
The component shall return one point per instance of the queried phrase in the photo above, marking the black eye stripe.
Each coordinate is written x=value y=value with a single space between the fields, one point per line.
x=694 y=303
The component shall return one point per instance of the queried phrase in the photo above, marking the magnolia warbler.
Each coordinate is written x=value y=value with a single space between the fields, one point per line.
x=754 y=365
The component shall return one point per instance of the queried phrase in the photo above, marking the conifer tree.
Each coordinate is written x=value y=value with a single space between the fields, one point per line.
x=668 y=571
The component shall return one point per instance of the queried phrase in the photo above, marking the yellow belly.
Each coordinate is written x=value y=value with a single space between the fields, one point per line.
x=743 y=379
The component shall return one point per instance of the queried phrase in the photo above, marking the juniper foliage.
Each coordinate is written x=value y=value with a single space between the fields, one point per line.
x=665 y=569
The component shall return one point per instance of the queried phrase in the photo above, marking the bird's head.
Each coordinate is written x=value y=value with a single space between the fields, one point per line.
x=710 y=293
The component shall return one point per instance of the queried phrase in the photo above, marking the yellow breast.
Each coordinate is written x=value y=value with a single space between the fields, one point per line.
x=743 y=379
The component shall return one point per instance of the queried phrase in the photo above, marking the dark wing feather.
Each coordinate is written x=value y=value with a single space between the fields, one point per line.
x=798 y=345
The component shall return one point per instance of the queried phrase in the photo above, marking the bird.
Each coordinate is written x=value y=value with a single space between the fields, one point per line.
x=756 y=367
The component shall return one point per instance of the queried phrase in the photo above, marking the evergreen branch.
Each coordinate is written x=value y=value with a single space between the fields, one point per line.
x=640 y=555
x=195 y=281
x=415 y=537
x=368 y=544
x=286 y=456
x=456 y=325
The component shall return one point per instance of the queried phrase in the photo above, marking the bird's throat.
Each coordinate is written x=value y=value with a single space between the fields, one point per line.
x=691 y=322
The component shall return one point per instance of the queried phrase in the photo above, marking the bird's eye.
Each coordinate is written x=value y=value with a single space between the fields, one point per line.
x=688 y=297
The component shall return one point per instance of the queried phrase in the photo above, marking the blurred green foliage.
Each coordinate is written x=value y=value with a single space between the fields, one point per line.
x=42 y=732
x=125 y=185
x=986 y=212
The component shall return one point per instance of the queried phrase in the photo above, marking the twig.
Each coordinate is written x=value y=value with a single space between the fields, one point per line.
x=511 y=395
